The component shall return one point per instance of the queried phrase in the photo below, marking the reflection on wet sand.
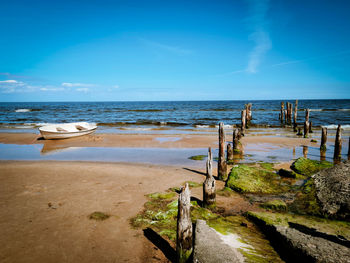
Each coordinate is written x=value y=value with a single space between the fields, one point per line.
x=50 y=147
x=305 y=151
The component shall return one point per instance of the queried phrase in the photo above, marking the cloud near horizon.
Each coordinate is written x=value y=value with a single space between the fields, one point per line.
x=73 y=85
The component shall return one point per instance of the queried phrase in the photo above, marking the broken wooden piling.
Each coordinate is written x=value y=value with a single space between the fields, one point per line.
x=209 y=191
x=282 y=111
x=323 y=146
x=306 y=123
x=235 y=141
x=337 y=145
x=229 y=152
x=243 y=121
x=310 y=127
x=295 y=116
x=222 y=165
x=184 y=232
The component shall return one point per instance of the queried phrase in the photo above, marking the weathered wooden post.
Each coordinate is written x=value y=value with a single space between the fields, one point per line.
x=282 y=111
x=337 y=146
x=209 y=192
x=323 y=146
x=310 y=127
x=235 y=141
x=295 y=116
x=210 y=157
x=287 y=115
x=184 y=226
x=307 y=114
x=290 y=113
x=299 y=132
x=349 y=150
x=222 y=166
x=306 y=123
x=243 y=121
x=229 y=152
x=248 y=108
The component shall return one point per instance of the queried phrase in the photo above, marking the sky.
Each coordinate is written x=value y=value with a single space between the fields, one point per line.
x=174 y=50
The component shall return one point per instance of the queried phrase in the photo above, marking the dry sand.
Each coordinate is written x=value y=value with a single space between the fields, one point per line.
x=45 y=204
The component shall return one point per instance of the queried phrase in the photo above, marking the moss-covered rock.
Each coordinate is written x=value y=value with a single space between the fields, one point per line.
x=99 y=216
x=309 y=167
x=324 y=225
x=252 y=179
x=276 y=204
x=160 y=214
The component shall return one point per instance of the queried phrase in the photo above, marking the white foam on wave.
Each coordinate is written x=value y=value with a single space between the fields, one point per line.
x=136 y=129
x=315 y=109
x=202 y=126
x=23 y=110
x=225 y=126
x=334 y=127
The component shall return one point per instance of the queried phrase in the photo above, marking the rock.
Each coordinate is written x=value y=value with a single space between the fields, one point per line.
x=309 y=167
x=286 y=173
x=296 y=246
x=333 y=190
x=210 y=248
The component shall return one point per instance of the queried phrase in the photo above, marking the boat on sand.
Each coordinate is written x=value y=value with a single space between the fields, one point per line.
x=67 y=130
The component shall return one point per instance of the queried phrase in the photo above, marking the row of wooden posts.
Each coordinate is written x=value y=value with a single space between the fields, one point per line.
x=184 y=235
x=184 y=241
x=285 y=116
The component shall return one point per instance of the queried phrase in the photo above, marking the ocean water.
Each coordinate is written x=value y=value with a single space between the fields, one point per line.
x=177 y=114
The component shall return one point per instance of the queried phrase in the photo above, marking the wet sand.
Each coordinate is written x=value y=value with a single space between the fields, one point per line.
x=45 y=204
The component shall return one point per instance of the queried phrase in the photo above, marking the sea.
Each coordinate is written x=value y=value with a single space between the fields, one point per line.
x=165 y=115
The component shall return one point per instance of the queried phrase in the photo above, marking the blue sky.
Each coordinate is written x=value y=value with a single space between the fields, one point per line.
x=174 y=50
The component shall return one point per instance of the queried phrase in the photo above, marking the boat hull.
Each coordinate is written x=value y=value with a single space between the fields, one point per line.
x=64 y=135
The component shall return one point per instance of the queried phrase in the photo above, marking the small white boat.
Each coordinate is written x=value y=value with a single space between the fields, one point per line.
x=67 y=130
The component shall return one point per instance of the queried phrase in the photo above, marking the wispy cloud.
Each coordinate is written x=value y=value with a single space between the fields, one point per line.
x=260 y=35
x=73 y=85
x=170 y=48
x=344 y=52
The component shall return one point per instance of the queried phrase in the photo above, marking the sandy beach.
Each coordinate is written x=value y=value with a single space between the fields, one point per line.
x=45 y=205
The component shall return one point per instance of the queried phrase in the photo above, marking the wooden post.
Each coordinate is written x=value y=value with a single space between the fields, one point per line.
x=285 y=116
x=209 y=194
x=184 y=226
x=229 y=152
x=248 y=108
x=299 y=132
x=349 y=150
x=279 y=116
x=310 y=127
x=323 y=146
x=306 y=129
x=307 y=114
x=210 y=157
x=222 y=166
x=295 y=116
x=306 y=123
x=282 y=111
x=337 y=146
x=290 y=113
x=235 y=141
x=243 y=121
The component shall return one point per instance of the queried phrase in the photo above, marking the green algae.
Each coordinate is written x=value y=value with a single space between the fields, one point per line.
x=99 y=216
x=309 y=167
x=305 y=201
x=161 y=215
x=324 y=225
x=251 y=179
x=166 y=195
x=267 y=166
x=277 y=205
x=313 y=140
x=197 y=157
x=226 y=191
x=192 y=184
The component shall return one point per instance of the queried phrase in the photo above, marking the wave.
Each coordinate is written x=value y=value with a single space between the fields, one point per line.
x=23 y=110
x=27 y=110
x=334 y=127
